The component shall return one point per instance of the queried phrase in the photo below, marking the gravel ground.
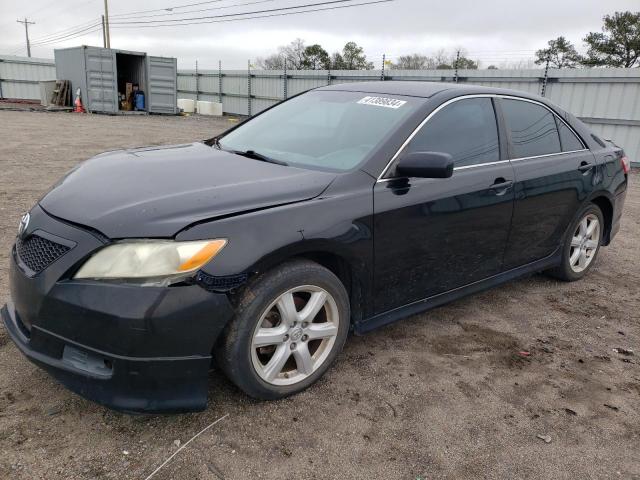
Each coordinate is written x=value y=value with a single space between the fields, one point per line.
x=439 y=395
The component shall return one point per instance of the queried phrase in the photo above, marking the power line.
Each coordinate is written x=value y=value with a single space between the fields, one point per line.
x=74 y=33
x=65 y=31
x=200 y=10
x=167 y=8
x=264 y=16
x=80 y=33
x=227 y=15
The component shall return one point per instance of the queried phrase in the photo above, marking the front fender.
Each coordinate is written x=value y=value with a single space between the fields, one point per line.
x=339 y=223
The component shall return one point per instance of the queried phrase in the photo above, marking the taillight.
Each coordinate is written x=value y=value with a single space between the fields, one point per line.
x=626 y=164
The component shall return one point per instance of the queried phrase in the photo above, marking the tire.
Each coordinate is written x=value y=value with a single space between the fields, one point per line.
x=262 y=332
x=569 y=270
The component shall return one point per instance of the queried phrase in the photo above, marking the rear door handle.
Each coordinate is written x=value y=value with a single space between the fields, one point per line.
x=501 y=186
x=585 y=166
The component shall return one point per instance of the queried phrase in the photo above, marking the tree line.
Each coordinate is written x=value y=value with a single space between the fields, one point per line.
x=298 y=56
x=617 y=45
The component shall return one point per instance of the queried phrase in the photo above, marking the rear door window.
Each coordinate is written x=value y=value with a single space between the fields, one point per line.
x=532 y=127
x=568 y=139
x=465 y=129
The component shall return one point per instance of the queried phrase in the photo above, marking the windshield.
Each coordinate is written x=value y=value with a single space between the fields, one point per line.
x=328 y=130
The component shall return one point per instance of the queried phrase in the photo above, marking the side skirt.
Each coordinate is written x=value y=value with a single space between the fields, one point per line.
x=371 y=323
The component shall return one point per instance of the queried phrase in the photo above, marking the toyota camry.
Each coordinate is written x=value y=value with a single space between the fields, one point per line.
x=339 y=210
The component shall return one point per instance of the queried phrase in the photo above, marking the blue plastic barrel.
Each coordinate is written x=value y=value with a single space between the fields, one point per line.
x=139 y=99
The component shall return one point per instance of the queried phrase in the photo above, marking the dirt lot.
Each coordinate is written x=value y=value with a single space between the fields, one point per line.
x=439 y=395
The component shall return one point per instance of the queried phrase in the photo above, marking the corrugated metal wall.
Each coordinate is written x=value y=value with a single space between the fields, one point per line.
x=19 y=76
x=162 y=94
x=607 y=99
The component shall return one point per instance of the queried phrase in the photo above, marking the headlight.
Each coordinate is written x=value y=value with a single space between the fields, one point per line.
x=160 y=261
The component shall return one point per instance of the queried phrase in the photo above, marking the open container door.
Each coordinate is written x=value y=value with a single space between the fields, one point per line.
x=163 y=84
x=101 y=80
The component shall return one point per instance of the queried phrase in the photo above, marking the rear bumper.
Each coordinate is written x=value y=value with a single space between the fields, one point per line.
x=618 y=207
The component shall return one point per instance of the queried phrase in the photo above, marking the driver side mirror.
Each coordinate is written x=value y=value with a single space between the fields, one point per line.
x=425 y=165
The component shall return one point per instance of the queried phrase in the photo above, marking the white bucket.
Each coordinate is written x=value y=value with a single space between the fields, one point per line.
x=186 y=105
x=209 y=108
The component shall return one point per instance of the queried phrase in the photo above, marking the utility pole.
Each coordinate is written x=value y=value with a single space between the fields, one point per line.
x=104 y=35
x=106 y=24
x=26 y=32
x=384 y=59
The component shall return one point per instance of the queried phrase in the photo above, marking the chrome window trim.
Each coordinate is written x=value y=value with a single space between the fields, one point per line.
x=480 y=95
x=465 y=167
x=547 y=155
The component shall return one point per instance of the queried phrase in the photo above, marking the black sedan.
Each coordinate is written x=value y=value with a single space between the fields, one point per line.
x=344 y=208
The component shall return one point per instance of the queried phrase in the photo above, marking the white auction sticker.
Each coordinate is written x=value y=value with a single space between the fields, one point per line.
x=382 y=102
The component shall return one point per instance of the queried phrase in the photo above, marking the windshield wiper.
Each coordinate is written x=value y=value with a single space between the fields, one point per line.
x=213 y=142
x=258 y=156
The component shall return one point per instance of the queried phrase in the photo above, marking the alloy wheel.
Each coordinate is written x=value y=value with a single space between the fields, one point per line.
x=295 y=335
x=584 y=243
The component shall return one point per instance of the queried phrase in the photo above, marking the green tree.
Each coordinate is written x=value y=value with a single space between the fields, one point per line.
x=337 y=62
x=618 y=45
x=465 y=63
x=561 y=54
x=272 y=62
x=294 y=54
x=351 y=58
x=414 y=61
x=316 y=58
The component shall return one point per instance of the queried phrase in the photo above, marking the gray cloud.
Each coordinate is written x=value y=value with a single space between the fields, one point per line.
x=495 y=31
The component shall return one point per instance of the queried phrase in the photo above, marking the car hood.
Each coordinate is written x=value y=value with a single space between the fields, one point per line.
x=158 y=191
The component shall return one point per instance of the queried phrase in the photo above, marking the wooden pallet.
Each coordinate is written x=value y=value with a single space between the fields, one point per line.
x=61 y=96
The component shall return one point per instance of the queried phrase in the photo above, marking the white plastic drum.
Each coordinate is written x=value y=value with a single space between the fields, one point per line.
x=209 y=108
x=186 y=105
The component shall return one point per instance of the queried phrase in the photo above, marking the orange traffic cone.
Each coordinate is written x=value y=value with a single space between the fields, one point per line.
x=78 y=103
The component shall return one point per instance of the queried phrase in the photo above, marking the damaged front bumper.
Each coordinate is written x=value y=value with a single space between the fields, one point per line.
x=130 y=348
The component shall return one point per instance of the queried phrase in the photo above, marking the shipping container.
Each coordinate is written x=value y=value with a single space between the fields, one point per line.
x=102 y=74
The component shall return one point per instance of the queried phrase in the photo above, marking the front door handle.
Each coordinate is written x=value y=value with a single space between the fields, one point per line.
x=585 y=166
x=501 y=186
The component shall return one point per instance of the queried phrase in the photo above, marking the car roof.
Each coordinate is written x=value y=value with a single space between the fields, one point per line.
x=422 y=89
x=412 y=89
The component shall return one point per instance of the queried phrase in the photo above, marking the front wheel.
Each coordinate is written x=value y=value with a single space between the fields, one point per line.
x=289 y=327
x=582 y=245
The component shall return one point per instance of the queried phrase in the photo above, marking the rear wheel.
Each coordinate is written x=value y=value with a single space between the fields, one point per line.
x=582 y=245
x=289 y=327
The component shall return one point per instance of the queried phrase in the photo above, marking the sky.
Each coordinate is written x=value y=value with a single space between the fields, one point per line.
x=498 y=32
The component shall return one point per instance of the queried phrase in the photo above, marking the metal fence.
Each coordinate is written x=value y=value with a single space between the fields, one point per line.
x=19 y=76
x=607 y=99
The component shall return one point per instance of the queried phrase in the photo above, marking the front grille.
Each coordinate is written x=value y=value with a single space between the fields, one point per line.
x=37 y=252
